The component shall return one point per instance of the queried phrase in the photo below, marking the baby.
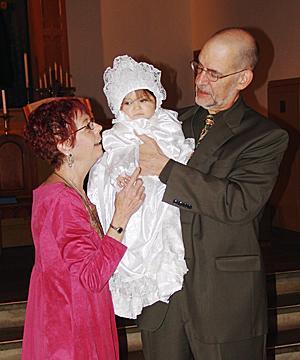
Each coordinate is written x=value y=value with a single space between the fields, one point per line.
x=153 y=267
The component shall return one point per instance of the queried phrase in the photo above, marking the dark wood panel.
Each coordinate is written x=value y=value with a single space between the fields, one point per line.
x=18 y=167
x=48 y=38
x=284 y=109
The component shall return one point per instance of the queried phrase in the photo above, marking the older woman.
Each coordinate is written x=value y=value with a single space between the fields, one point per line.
x=69 y=313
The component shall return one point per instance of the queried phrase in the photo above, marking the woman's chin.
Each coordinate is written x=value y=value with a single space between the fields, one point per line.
x=99 y=151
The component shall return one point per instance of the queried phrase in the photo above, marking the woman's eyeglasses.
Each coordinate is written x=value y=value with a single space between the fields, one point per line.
x=90 y=126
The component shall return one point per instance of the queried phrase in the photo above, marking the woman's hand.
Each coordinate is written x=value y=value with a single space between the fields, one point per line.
x=127 y=202
x=123 y=180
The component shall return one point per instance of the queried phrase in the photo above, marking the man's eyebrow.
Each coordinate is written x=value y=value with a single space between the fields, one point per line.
x=216 y=71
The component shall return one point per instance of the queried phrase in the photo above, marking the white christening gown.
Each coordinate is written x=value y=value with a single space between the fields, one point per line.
x=153 y=267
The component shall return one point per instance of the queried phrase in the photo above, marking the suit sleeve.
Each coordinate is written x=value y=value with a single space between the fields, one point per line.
x=237 y=197
x=91 y=259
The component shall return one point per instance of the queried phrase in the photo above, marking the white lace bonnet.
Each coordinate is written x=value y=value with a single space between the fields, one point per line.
x=127 y=75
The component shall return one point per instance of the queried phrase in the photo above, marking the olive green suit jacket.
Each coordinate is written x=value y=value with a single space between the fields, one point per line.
x=221 y=193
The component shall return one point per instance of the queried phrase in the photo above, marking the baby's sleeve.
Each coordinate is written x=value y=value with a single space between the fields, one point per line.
x=121 y=153
x=169 y=136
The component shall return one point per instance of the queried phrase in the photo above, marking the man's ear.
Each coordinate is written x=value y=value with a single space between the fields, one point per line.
x=245 y=79
x=64 y=147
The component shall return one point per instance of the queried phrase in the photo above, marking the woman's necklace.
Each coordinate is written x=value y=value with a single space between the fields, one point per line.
x=91 y=209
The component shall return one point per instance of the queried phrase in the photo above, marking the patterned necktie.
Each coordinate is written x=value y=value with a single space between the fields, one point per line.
x=209 y=121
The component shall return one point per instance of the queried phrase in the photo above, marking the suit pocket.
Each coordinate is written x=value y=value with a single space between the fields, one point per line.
x=239 y=263
x=152 y=316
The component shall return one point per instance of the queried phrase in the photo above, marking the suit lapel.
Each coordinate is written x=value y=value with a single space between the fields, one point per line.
x=206 y=153
x=187 y=119
x=224 y=128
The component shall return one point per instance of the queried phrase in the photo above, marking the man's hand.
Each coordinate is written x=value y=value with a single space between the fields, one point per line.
x=152 y=160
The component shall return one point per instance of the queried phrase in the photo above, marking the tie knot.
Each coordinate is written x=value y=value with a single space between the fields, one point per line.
x=209 y=121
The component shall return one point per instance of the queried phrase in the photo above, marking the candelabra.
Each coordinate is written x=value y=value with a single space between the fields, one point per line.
x=56 y=89
x=27 y=95
x=5 y=118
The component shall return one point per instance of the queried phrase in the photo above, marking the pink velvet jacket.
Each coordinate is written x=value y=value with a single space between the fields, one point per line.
x=69 y=312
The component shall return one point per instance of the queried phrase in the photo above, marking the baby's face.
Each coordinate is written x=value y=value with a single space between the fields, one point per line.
x=138 y=104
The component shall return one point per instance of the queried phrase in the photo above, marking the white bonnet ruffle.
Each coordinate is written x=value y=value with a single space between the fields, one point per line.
x=127 y=75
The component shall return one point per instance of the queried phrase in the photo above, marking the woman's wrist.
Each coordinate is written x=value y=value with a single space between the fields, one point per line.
x=119 y=219
x=117 y=227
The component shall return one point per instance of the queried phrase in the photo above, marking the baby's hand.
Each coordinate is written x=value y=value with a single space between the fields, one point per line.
x=122 y=180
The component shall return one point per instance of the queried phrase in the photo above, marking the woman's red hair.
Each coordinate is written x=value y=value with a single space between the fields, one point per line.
x=52 y=123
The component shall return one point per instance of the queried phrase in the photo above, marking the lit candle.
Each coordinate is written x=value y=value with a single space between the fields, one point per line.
x=26 y=71
x=50 y=75
x=4 y=102
x=40 y=83
x=67 y=79
x=60 y=75
x=45 y=80
x=55 y=71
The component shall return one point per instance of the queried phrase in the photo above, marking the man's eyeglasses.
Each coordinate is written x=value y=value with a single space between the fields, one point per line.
x=212 y=75
x=90 y=126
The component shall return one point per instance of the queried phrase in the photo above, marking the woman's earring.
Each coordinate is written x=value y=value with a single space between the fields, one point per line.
x=70 y=160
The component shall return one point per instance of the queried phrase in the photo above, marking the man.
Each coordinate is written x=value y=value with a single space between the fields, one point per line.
x=220 y=313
